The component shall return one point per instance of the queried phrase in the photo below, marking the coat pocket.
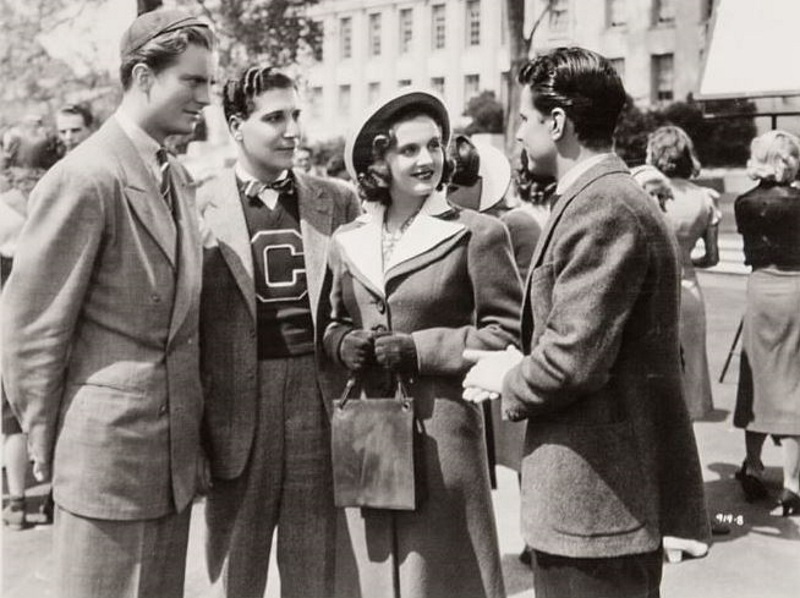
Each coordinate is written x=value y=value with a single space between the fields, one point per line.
x=586 y=480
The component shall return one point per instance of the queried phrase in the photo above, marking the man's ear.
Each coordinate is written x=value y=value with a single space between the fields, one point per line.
x=559 y=126
x=142 y=77
x=234 y=126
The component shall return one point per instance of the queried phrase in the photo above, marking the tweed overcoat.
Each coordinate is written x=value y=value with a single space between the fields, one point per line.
x=610 y=462
x=229 y=356
x=99 y=319
x=452 y=284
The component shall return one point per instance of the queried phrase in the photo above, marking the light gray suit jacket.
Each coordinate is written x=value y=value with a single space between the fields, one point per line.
x=610 y=462
x=228 y=308
x=99 y=318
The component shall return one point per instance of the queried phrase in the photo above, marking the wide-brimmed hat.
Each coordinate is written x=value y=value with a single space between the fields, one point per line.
x=490 y=184
x=358 y=149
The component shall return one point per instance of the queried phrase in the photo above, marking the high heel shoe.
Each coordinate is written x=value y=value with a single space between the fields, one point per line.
x=790 y=503
x=754 y=489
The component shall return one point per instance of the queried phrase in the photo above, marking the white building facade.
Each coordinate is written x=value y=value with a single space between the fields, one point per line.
x=460 y=48
x=373 y=47
x=656 y=45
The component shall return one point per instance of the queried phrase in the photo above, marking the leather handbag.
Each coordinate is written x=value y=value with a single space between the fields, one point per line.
x=373 y=450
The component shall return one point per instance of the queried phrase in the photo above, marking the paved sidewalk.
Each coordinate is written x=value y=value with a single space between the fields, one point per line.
x=759 y=559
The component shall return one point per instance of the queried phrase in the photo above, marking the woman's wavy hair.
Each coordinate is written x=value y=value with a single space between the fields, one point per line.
x=774 y=156
x=163 y=50
x=374 y=182
x=670 y=149
x=238 y=94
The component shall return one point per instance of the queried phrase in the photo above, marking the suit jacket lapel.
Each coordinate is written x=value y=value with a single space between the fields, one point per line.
x=226 y=219
x=316 y=218
x=606 y=166
x=190 y=264
x=143 y=194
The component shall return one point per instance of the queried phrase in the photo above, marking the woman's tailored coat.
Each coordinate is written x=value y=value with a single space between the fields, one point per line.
x=452 y=284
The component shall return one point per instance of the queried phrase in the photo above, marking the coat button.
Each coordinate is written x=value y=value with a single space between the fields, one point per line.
x=380 y=305
x=155 y=298
x=162 y=410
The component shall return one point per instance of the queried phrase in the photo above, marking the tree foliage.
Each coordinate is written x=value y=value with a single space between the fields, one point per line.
x=486 y=113
x=718 y=142
x=34 y=80
x=276 y=32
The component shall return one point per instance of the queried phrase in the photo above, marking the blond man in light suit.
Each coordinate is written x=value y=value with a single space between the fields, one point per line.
x=100 y=327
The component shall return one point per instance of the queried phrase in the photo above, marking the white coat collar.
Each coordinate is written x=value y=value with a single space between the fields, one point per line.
x=362 y=245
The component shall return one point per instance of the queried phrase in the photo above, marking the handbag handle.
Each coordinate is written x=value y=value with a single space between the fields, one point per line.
x=401 y=393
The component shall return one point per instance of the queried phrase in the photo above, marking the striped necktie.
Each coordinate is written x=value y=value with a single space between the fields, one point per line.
x=166 y=179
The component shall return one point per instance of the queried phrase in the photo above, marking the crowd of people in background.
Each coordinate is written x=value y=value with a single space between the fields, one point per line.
x=164 y=339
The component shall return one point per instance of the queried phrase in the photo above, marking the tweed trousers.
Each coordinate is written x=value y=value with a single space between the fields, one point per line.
x=287 y=483
x=99 y=558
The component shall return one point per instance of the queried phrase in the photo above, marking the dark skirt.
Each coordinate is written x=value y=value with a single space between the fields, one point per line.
x=768 y=398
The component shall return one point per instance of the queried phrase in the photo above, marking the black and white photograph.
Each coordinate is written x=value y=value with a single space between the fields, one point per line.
x=400 y=298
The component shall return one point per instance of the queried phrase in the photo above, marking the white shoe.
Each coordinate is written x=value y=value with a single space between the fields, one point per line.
x=675 y=547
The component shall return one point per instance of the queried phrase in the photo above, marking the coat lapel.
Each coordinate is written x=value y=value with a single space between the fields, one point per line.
x=316 y=218
x=363 y=250
x=142 y=193
x=225 y=217
x=428 y=230
x=190 y=263
x=605 y=166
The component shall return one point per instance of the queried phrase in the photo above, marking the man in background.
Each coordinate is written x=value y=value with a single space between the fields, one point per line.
x=73 y=125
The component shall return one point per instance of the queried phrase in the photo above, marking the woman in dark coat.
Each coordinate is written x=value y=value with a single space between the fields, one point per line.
x=416 y=281
x=768 y=401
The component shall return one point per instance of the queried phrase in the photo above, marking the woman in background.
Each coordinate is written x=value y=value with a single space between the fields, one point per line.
x=768 y=401
x=693 y=216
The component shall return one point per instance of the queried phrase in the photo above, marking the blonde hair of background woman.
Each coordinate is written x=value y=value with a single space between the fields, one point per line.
x=775 y=155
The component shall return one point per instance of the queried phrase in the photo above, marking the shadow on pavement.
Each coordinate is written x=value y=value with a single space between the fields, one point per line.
x=727 y=505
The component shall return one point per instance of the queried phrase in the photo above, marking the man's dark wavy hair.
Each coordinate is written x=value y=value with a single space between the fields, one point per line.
x=582 y=83
x=374 y=182
x=163 y=50
x=238 y=94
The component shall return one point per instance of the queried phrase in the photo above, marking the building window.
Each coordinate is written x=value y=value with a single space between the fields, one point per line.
x=438 y=27
x=559 y=15
x=346 y=37
x=437 y=85
x=616 y=12
x=373 y=92
x=472 y=85
x=404 y=83
x=619 y=66
x=374 y=43
x=663 y=78
x=473 y=25
x=663 y=12
x=344 y=100
x=406 y=30
x=315 y=102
